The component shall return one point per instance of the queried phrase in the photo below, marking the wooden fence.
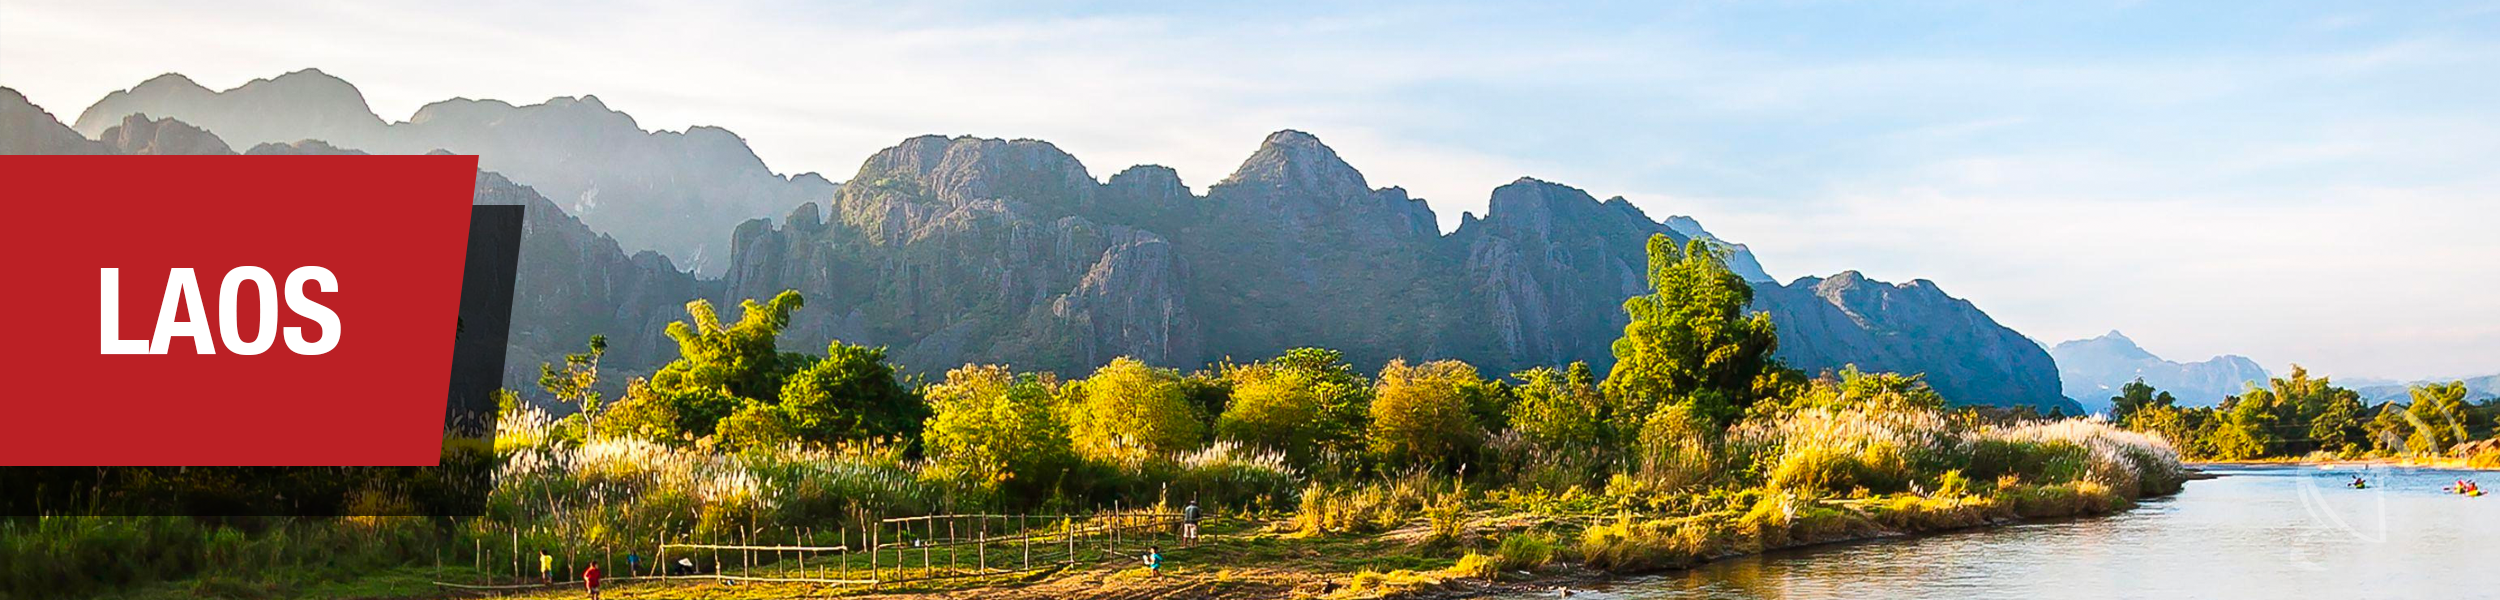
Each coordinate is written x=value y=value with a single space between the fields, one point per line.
x=867 y=552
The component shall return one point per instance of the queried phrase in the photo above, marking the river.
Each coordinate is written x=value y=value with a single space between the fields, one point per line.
x=2256 y=532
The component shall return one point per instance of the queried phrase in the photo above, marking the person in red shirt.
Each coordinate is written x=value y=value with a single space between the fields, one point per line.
x=590 y=578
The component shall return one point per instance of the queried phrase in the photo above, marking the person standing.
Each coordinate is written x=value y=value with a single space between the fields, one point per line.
x=1189 y=523
x=590 y=580
x=546 y=568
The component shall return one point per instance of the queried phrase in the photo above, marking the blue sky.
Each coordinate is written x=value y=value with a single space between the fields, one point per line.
x=2295 y=182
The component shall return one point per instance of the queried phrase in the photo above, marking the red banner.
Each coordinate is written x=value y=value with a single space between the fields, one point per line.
x=265 y=310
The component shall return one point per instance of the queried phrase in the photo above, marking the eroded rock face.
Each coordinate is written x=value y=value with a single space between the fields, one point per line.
x=139 y=135
x=973 y=250
x=1296 y=249
x=1828 y=323
x=1546 y=272
x=677 y=193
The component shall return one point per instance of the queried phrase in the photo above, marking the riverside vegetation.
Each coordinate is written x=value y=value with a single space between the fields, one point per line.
x=2301 y=417
x=1697 y=444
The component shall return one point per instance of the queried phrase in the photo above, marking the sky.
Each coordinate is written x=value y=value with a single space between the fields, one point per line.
x=2313 y=183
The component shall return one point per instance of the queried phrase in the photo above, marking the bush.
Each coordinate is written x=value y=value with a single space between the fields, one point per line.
x=1477 y=566
x=1626 y=545
x=1524 y=552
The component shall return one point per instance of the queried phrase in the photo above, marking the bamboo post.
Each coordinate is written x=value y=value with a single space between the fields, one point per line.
x=1024 y=528
x=516 y=553
x=952 y=551
x=1067 y=530
x=981 y=553
x=661 y=557
x=928 y=527
x=876 y=537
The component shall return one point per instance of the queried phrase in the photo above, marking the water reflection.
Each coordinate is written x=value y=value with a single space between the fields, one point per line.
x=2257 y=532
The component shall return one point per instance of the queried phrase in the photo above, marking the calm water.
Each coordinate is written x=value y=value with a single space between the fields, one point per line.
x=2257 y=532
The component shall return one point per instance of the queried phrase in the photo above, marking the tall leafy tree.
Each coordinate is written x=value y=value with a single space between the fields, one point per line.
x=1561 y=408
x=851 y=394
x=2244 y=427
x=1302 y=403
x=2339 y=426
x=996 y=429
x=1691 y=341
x=2439 y=416
x=2390 y=431
x=2134 y=396
x=1127 y=409
x=1423 y=414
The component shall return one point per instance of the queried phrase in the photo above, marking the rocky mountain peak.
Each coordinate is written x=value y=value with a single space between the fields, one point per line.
x=137 y=134
x=28 y=129
x=1149 y=181
x=1297 y=162
x=966 y=168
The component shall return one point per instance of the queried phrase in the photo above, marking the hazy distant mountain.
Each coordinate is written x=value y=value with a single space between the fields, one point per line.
x=2389 y=390
x=571 y=282
x=970 y=249
x=674 y=192
x=2094 y=370
x=27 y=129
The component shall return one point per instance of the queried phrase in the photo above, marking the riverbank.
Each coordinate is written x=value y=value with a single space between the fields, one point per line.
x=1275 y=558
x=2442 y=462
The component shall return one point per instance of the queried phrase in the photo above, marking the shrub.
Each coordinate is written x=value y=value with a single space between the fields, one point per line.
x=1477 y=566
x=1524 y=552
x=1627 y=545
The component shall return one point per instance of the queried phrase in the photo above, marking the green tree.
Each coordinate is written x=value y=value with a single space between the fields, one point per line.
x=756 y=425
x=2298 y=401
x=1691 y=341
x=719 y=370
x=851 y=394
x=1128 y=409
x=1301 y=404
x=1561 y=408
x=2135 y=396
x=2439 y=416
x=2338 y=427
x=2244 y=427
x=740 y=358
x=995 y=429
x=1423 y=414
x=573 y=385
x=2390 y=430
x=2167 y=421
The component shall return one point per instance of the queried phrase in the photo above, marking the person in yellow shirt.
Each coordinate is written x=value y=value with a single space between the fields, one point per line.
x=546 y=567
